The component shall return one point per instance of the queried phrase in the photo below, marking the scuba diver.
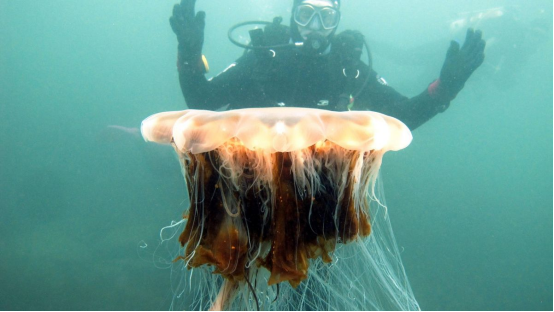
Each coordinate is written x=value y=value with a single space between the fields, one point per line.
x=308 y=65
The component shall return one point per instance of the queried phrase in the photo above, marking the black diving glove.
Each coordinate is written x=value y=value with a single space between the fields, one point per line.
x=461 y=63
x=189 y=29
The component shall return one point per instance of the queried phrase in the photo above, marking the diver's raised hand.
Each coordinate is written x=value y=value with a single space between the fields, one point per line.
x=189 y=28
x=460 y=63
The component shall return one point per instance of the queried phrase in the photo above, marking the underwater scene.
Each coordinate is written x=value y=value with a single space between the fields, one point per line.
x=395 y=155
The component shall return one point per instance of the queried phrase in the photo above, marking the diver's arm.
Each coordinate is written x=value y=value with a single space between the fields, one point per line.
x=458 y=66
x=230 y=87
x=200 y=93
x=194 y=84
x=189 y=26
x=212 y=94
x=414 y=112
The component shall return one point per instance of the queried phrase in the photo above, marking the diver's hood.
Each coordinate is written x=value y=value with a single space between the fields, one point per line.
x=295 y=33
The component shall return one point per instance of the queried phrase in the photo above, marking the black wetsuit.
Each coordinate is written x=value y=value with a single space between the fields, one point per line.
x=292 y=78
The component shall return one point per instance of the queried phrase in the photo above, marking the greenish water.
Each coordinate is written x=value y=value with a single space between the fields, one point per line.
x=470 y=200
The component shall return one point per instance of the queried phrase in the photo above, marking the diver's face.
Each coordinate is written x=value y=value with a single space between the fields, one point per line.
x=322 y=19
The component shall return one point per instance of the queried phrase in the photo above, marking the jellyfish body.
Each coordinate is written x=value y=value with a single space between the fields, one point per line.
x=279 y=197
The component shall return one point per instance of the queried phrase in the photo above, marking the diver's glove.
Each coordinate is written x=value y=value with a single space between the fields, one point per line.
x=459 y=64
x=189 y=29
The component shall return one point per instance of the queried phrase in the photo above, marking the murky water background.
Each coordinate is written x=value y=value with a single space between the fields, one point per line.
x=82 y=197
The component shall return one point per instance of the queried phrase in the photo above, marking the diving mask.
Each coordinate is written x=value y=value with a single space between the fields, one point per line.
x=328 y=16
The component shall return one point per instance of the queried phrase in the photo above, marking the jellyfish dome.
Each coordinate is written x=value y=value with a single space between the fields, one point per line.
x=285 y=209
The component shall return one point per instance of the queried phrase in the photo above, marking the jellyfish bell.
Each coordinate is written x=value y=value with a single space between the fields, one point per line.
x=259 y=128
x=282 y=205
